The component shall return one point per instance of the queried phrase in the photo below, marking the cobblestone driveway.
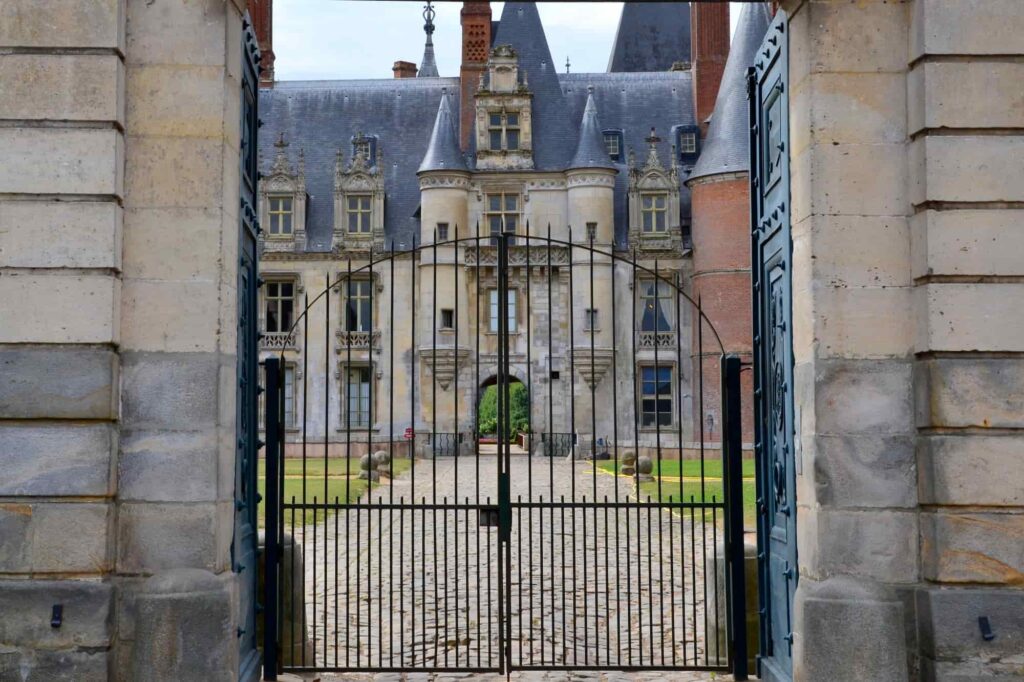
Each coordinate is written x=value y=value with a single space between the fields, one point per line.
x=595 y=586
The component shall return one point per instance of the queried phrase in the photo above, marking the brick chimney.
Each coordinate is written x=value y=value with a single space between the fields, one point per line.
x=404 y=69
x=262 y=14
x=709 y=24
x=476 y=45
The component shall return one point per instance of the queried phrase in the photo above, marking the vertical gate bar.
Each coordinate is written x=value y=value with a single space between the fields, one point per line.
x=490 y=626
x=530 y=441
x=714 y=561
x=671 y=525
x=346 y=401
x=305 y=414
x=615 y=470
x=271 y=546
x=314 y=574
x=327 y=385
x=636 y=455
x=337 y=512
x=657 y=427
x=593 y=460
x=370 y=415
x=423 y=571
x=549 y=452
x=291 y=597
x=458 y=433
x=561 y=524
x=519 y=573
x=433 y=423
x=703 y=477
x=503 y=520
x=650 y=582
x=693 y=581
x=572 y=429
x=736 y=622
x=391 y=457
x=401 y=593
x=476 y=432
x=607 y=586
x=444 y=580
x=414 y=368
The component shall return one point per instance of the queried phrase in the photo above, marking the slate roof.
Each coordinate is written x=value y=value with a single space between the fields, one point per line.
x=590 y=147
x=651 y=35
x=443 y=152
x=726 y=148
x=321 y=116
x=554 y=132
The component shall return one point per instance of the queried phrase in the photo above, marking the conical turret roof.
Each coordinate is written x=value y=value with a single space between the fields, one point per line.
x=726 y=148
x=443 y=152
x=590 y=149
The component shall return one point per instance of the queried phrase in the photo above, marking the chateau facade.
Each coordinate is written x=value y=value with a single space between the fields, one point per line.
x=406 y=181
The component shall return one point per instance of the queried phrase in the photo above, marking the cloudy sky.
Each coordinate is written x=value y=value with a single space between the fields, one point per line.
x=334 y=39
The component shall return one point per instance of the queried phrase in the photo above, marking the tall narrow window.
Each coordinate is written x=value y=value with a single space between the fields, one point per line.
x=590 y=320
x=655 y=396
x=591 y=232
x=687 y=142
x=612 y=145
x=502 y=213
x=358 y=209
x=279 y=304
x=359 y=306
x=494 y=316
x=289 y=396
x=503 y=130
x=447 y=318
x=653 y=211
x=280 y=210
x=656 y=302
x=442 y=232
x=357 y=397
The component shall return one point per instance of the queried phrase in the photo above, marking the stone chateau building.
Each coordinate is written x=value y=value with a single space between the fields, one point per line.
x=624 y=161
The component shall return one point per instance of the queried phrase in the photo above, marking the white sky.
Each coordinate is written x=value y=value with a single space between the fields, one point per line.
x=336 y=39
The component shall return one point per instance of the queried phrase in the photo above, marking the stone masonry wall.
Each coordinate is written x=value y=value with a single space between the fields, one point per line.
x=118 y=229
x=906 y=193
x=62 y=118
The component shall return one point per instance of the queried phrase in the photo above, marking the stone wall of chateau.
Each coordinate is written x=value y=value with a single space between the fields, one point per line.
x=906 y=194
x=118 y=231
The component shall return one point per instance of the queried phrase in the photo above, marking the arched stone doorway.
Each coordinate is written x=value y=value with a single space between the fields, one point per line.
x=487 y=412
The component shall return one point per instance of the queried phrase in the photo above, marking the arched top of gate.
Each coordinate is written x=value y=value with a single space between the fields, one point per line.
x=527 y=241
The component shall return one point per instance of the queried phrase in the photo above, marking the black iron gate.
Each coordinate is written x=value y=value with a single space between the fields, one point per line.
x=589 y=523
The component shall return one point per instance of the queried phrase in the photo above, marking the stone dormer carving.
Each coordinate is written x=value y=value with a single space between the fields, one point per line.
x=654 y=216
x=283 y=202
x=359 y=201
x=504 y=136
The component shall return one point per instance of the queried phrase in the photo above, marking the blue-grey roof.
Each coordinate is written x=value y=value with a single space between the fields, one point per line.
x=633 y=103
x=651 y=36
x=590 y=148
x=320 y=117
x=443 y=152
x=726 y=148
x=554 y=132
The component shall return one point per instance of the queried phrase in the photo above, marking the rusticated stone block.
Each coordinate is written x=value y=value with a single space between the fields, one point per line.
x=149 y=459
x=968 y=242
x=199 y=30
x=56 y=459
x=841 y=615
x=939 y=164
x=70 y=538
x=62 y=23
x=865 y=471
x=966 y=27
x=62 y=87
x=948 y=631
x=965 y=94
x=169 y=390
x=973 y=547
x=872 y=397
x=881 y=545
x=971 y=470
x=956 y=392
x=58 y=383
x=58 y=234
x=87 y=609
x=15 y=537
x=73 y=308
x=62 y=161
x=185 y=628
x=974 y=316
x=154 y=537
x=35 y=665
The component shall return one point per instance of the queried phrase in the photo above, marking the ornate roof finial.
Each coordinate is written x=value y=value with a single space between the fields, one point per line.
x=281 y=166
x=652 y=154
x=428 y=67
x=567 y=63
x=280 y=143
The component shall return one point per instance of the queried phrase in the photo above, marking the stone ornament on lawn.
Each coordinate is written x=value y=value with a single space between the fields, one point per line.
x=644 y=467
x=382 y=462
x=628 y=467
x=366 y=470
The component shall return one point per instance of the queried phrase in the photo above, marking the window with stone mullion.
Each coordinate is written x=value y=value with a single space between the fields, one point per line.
x=655 y=396
x=280 y=212
x=502 y=213
x=358 y=210
x=357 y=398
x=656 y=306
x=358 y=306
x=279 y=302
x=653 y=211
x=503 y=130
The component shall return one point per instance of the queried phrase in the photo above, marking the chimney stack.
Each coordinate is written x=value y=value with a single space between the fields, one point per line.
x=476 y=46
x=262 y=14
x=709 y=26
x=404 y=69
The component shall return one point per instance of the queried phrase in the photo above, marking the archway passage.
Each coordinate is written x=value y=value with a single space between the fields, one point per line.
x=487 y=412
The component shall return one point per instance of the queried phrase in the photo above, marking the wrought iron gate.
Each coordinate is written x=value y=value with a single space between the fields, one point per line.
x=582 y=533
x=771 y=256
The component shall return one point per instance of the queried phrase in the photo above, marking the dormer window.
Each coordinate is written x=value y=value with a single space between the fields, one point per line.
x=653 y=209
x=281 y=212
x=687 y=143
x=503 y=129
x=366 y=145
x=613 y=143
x=358 y=211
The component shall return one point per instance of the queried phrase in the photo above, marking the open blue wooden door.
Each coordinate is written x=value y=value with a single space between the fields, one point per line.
x=773 y=356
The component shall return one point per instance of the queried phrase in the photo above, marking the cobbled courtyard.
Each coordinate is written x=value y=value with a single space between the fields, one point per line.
x=418 y=586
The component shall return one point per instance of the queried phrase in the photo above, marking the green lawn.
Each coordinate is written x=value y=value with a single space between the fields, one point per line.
x=690 y=467
x=341 y=484
x=692 y=489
